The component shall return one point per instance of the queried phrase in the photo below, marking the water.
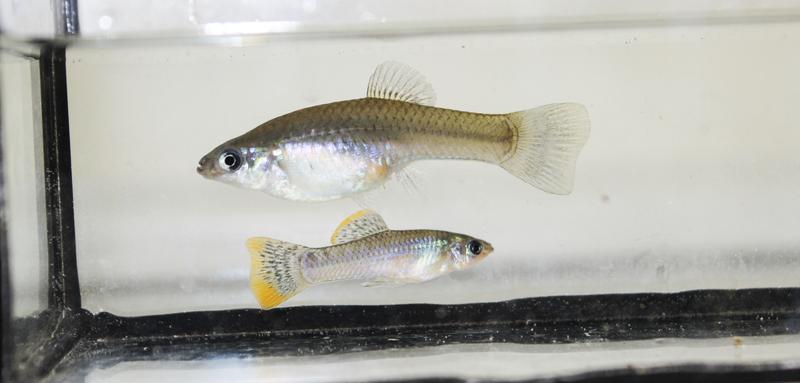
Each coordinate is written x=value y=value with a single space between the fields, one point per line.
x=689 y=180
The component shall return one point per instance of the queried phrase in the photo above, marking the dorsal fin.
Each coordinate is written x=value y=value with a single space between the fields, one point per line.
x=397 y=81
x=358 y=225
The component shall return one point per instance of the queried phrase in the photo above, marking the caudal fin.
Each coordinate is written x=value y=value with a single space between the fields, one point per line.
x=550 y=138
x=275 y=274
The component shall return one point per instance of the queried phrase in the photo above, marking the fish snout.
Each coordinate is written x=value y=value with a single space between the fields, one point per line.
x=487 y=249
x=203 y=166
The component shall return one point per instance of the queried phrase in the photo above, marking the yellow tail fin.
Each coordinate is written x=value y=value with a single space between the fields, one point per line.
x=275 y=270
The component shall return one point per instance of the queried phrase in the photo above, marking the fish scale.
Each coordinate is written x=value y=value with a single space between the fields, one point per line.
x=418 y=131
x=367 y=258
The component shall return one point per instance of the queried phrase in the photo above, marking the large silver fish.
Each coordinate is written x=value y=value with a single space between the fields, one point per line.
x=335 y=150
x=363 y=249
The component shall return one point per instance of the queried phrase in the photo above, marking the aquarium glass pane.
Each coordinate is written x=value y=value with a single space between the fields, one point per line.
x=24 y=194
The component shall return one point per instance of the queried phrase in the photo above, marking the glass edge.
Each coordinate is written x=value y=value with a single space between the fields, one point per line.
x=252 y=33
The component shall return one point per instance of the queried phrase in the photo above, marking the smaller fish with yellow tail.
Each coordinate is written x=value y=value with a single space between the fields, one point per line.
x=364 y=249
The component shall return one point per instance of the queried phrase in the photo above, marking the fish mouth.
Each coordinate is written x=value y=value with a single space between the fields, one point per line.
x=202 y=167
x=487 y=249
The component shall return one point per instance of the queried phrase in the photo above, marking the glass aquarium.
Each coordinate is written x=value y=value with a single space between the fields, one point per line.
x=675 y=255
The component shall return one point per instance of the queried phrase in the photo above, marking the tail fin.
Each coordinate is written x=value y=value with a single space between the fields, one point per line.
x=549 y=139
x=275 y=274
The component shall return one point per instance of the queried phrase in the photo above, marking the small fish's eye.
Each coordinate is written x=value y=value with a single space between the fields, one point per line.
x=230 y=160
x=475 y=247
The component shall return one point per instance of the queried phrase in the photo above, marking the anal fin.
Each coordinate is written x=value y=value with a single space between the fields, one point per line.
x=382 y=282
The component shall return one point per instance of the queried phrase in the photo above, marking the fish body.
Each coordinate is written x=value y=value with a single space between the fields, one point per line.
x=343 y=148
x=338 y=149
x=363 y=249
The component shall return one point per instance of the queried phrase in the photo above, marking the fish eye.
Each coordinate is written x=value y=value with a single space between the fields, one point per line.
x=230 y=160
x=474 y=247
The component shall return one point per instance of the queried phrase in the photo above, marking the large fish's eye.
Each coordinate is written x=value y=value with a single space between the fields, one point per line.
x=230 y=160
x=474 y=247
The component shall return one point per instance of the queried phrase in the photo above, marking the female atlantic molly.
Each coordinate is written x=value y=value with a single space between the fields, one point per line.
x=343 y=148
x=363 y=249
